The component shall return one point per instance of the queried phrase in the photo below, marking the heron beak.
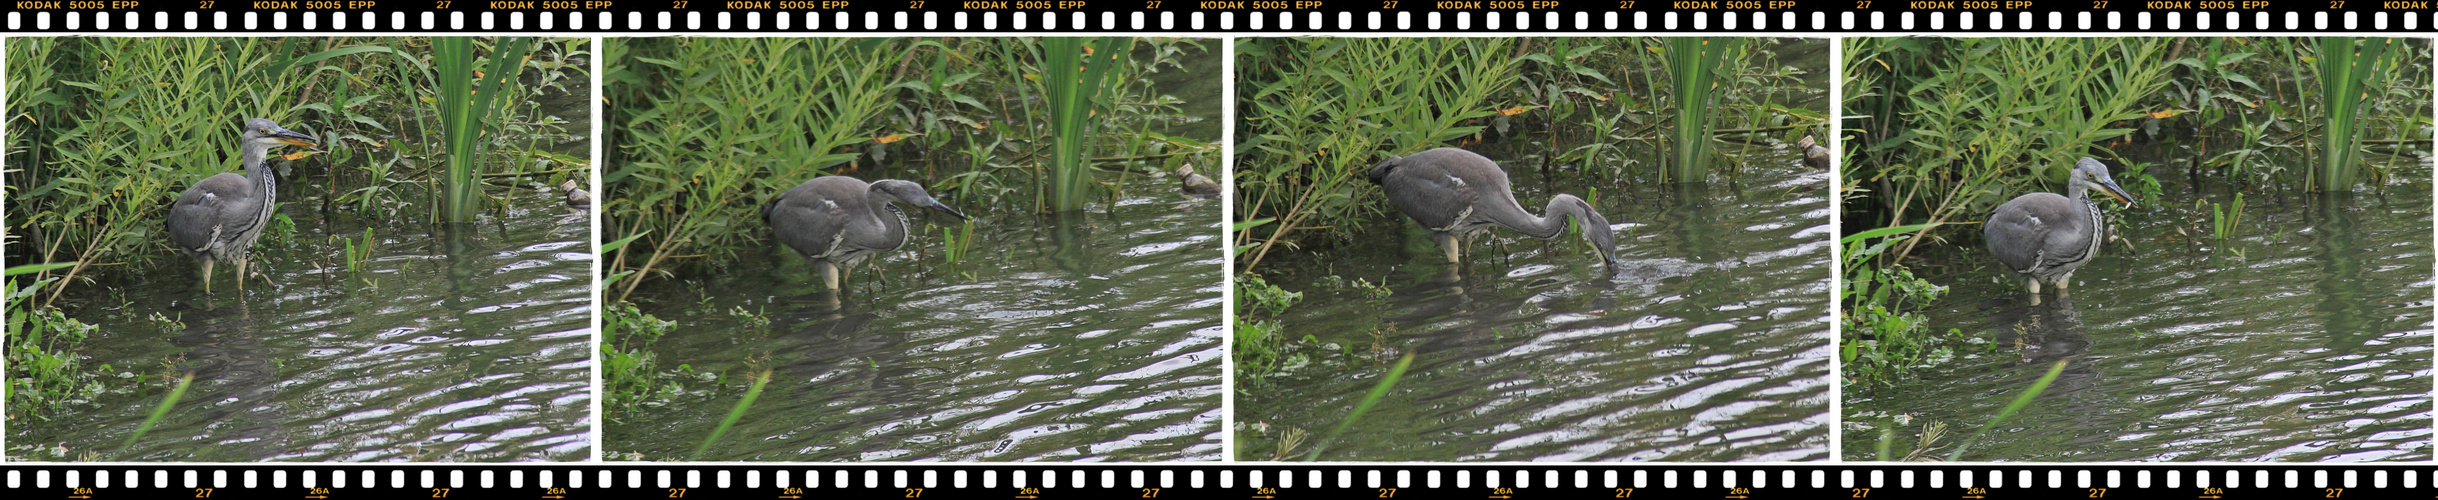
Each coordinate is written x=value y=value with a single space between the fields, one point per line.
x=293 y=138
x=2109 y=186
x=950 y=211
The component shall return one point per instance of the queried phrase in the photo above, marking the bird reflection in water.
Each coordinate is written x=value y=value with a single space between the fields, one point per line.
x=237 y=382
x=2045 y=333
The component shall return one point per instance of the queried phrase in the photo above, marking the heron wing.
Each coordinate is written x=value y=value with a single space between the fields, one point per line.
x=2020 y=233
x=199 y=213
x=1438 y=187
x=807 y=219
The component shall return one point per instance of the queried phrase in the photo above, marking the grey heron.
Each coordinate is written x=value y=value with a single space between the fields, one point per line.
x=219 y=218
x=2046 y=236
x=1459 y=195
x=838 y=221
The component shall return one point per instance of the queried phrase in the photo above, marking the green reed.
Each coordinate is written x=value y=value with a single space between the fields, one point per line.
x=735 y=413
x=2344 y=64
x=1072 y=72
x=1693 y=67
x=168 y=401
x=958 y=241
x=358 y=254
x=467 y=113
x=2021 y=400
x=1378 y=392
x=2223 y=218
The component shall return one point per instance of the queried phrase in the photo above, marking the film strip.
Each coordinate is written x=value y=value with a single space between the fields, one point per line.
x=1216 y=16
x=1215 y=481
x=1212 y=17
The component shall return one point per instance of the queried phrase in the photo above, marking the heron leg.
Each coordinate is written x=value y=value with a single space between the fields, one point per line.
x=2035 y=284
x=207 y=275
x=2061 y=284
x=1447 y=242
x=241 y=265
x=829 y=272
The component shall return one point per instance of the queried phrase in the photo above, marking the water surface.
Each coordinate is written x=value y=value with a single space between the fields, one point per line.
x=1091 y=336
x=464 y=342
x=1709 y=343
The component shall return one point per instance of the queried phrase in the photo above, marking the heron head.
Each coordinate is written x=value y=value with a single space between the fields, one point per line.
x=2091 y=174
x=262 y=131
x=908 y=192
x=1603 y=240
x=1596 y=231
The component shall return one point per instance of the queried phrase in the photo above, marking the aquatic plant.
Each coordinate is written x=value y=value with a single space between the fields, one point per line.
x=630 y=374
x=44 y=370
x=467 y=114
x=1072 y=69
x=1261 y=345
x=1882 y=339
x=358 y=254
x=1693 y=66
x=958 y=243
x=2223 y=218
x=2344 y=64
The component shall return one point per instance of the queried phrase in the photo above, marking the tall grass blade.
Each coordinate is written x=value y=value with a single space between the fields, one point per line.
x=1692 y=71
x=167 y=402
x=734 y=414
x=2344 y=64
x=466 y=112
x=36 y=268
x=621 y=243
x=2021 y=401
x=1072 y=70
x=1378 y=392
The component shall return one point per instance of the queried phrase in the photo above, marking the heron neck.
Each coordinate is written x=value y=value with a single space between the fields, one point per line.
x=255 y=171
x=892 y=220
x=1558 y=210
